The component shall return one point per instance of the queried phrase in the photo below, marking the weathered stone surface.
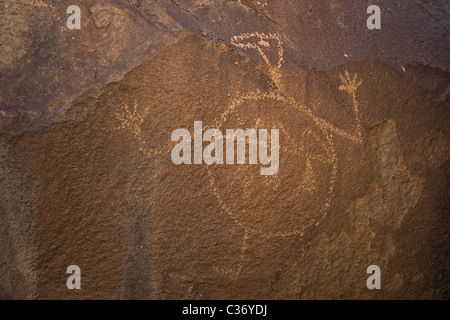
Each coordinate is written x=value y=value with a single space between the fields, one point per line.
x=86 y=118
x=4 y=295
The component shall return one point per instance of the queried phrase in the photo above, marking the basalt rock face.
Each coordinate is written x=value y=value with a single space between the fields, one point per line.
x=87 y=179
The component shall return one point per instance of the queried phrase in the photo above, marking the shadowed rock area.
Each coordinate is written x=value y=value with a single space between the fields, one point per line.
x=87 y=179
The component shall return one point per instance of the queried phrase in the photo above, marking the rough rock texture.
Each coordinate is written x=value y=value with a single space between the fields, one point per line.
x=4 y=295
x=86 y=118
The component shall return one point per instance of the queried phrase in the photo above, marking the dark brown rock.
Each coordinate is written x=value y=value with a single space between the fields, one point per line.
x=86 y=118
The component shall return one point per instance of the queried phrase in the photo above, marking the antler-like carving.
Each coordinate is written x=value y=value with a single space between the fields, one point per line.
x=349 y=84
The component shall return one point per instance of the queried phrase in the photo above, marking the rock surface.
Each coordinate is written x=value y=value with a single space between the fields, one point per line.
x=86 y=118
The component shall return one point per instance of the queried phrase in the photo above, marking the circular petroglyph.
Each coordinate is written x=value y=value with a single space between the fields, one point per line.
x=296 y=198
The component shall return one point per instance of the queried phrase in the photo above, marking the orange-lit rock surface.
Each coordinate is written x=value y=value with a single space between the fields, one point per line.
x=86 y=176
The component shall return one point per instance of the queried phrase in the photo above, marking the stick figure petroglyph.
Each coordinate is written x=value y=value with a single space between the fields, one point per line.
x=262 y=208
x=313 y=147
